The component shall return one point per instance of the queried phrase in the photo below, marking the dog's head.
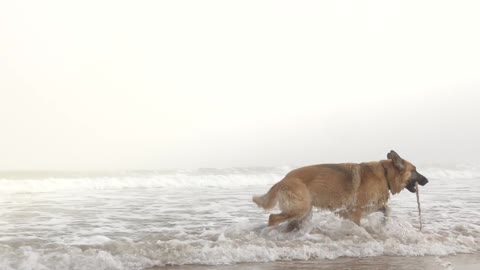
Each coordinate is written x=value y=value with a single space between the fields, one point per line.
x=408 y=172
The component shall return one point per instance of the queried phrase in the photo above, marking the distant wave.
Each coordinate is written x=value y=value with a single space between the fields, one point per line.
x=178 y=179
x=186 y=178
x=456 y=172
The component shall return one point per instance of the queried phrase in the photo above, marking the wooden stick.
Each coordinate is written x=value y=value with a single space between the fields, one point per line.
x=418 y=203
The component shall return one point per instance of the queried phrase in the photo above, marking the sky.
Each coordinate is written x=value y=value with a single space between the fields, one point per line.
x=118 y=85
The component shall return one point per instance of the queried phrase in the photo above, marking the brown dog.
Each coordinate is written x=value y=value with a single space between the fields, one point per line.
x=349 y=188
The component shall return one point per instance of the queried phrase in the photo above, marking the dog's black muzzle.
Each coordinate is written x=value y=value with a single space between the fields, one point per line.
x=422 y=180
x=416 y=178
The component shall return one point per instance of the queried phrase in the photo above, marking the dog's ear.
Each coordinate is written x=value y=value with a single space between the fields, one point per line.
x=396 y=160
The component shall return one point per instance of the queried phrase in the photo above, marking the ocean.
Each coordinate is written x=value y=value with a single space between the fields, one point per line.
x=205 y=218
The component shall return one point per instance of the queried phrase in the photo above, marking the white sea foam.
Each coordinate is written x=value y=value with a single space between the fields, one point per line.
x=141 y=220
x=243 y=242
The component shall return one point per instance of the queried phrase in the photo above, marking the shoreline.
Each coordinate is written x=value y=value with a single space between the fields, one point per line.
x=465 y=261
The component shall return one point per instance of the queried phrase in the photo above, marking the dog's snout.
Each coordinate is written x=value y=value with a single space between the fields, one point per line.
x=423 y=180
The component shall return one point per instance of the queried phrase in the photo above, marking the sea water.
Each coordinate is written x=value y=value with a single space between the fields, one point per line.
x=144 y=219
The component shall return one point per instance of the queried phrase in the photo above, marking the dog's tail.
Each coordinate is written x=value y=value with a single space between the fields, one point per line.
x=269 y=200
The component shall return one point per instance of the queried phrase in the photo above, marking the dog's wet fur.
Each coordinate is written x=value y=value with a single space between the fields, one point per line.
x=350 y=189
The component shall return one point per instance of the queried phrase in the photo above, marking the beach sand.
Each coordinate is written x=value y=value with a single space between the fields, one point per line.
x=451 y=262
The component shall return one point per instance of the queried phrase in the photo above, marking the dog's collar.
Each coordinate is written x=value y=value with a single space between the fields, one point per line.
x=385 y=172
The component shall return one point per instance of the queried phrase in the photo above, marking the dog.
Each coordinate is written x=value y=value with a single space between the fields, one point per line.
x=350 y=189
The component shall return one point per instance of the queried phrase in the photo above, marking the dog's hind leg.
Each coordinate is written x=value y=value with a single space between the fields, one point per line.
x=276 y=219
x=296 y=224
x=295 y=203
x=294 y=220
x=293 y=225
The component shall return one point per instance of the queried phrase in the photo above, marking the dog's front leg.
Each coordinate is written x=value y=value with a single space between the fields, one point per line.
x=386 y=212
x=356 y=215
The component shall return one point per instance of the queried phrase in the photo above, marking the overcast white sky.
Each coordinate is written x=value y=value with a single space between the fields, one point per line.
x=186 y=84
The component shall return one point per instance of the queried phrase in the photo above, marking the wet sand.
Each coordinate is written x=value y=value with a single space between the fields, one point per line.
x=451 y=262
